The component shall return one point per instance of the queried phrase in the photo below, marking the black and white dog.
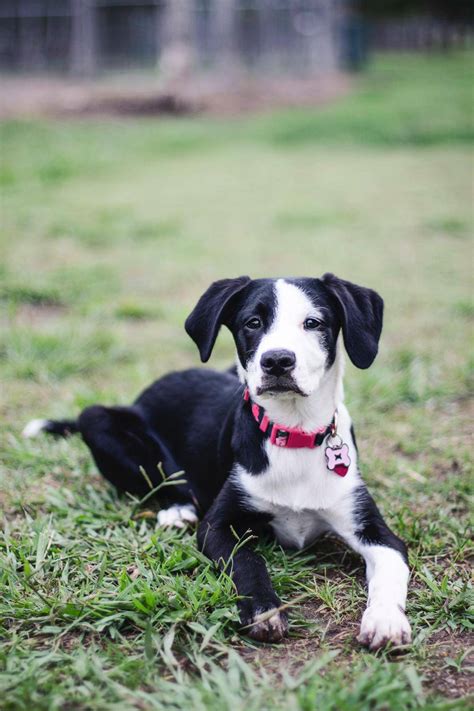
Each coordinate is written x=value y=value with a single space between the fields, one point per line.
x=267 y=447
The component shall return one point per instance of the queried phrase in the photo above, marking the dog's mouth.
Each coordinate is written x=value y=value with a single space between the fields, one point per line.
x=278 y=385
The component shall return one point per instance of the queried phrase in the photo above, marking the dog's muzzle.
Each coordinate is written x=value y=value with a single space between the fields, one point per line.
x=272 y=385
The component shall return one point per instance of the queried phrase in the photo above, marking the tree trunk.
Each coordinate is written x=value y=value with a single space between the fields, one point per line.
x=84 y=37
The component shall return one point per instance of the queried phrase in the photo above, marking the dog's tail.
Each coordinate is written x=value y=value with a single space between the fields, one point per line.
x=58 y=428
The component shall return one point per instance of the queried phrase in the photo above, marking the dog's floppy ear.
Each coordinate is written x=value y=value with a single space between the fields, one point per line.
x=361 y=313
x=211 y=311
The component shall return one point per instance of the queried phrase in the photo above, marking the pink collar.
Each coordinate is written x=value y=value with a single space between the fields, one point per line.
x=288 y=437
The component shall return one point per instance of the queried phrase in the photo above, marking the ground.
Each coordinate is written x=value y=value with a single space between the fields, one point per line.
x=111 y=230
x=145 y=94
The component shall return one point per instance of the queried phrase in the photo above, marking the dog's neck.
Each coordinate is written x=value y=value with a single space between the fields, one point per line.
x=311 y=412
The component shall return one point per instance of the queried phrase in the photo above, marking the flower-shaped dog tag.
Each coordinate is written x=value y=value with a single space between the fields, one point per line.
x=337 y=457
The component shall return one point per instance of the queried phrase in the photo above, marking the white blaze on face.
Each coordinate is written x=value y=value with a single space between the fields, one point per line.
x=287 y=332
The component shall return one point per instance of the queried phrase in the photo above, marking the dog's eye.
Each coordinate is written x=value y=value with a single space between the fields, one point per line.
x=311 y=324
x=254 y=323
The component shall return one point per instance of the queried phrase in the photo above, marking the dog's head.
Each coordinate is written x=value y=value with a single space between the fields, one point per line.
x=286 y=330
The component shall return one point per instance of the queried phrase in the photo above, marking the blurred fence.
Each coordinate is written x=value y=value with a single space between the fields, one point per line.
x=86 y=36
x=420 y=33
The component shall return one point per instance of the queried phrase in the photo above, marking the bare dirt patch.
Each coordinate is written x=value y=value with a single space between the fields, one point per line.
x=38 y=314
x=441 y=675
x=124 y=95
x=293 y=652
x=439 y=672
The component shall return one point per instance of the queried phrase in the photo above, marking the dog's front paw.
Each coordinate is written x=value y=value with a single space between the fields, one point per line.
x=382 y=625
x=266 y=625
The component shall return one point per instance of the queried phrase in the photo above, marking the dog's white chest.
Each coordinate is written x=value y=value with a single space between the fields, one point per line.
x=296 y=489
x=297 y=529
x=297 y=479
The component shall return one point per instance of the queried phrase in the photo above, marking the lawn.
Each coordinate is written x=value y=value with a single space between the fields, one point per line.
x=110 y=232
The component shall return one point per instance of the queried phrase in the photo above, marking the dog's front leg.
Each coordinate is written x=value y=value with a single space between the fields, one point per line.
x=221 y=537
x=384 y=620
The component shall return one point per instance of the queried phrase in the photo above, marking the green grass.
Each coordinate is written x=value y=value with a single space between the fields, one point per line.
x=110 y=232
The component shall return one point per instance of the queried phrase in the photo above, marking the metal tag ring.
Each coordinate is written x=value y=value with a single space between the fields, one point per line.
x=334 y=440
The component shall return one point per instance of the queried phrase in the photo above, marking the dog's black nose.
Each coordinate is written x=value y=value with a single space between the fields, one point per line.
x=278 y=362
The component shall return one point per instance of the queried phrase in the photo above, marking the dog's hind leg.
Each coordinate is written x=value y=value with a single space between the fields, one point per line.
x=177 y=516
x=129 y=455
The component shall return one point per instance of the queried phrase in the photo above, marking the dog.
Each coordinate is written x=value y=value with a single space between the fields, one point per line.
x=266 y=447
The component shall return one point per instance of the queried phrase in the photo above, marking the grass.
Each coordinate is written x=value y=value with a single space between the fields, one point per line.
x=110 y=233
